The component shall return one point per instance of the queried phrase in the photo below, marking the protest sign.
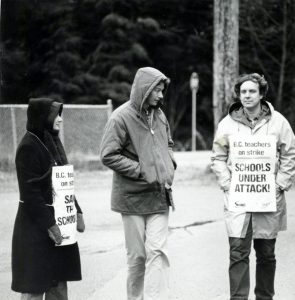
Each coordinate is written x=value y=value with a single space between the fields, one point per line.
x=253 y=173
x=64 y=202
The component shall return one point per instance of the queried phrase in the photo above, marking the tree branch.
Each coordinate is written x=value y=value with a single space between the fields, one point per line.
x=259 y=42
x=283 y=57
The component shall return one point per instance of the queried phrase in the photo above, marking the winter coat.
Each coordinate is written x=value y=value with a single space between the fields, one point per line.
x=266 y=225
x=37 y=264
x=138 y=148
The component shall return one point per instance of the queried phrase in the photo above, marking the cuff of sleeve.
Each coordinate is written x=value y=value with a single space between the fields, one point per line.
x=137 y=170
x=280 y=188
x=50 y=224
x=225 y=186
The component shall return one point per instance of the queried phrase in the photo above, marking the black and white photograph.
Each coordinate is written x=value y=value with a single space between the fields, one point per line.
x=147 y=149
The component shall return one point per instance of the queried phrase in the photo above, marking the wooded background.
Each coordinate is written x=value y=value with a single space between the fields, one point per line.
x=87 y=51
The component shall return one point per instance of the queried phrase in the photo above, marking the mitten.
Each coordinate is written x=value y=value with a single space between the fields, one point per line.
x=80 y=223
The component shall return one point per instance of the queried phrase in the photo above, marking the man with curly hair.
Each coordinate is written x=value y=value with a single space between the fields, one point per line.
x=253 y=117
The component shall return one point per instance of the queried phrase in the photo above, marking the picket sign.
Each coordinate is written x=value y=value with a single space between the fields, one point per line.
x=253 y=186
x=64 y=202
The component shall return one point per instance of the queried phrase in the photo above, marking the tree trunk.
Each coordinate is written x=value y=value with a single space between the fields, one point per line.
x=226 y=55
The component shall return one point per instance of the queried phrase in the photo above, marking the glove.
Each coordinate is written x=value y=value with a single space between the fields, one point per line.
x=54 y=234
x=80 y=223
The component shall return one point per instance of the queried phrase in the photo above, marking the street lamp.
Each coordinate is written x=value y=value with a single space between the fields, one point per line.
x=194 y=85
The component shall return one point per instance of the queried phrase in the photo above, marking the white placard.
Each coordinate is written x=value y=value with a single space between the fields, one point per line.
x=253 y=186
x=64 y=202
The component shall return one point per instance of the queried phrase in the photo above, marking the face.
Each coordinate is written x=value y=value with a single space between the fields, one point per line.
x=56 y=123
x=156 y=95
x=250 y=95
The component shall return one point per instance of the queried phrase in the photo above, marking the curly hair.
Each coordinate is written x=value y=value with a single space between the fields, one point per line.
x=254 y=77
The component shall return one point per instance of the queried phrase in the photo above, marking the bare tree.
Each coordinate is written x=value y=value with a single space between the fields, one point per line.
x=177 y=108
x=279 y=59
x=226 y=55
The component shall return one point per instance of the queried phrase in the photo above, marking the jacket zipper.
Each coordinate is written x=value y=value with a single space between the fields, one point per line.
x=150 y=125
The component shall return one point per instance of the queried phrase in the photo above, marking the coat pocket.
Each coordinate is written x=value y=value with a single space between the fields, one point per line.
x=145 y=202
x=125 y=185
x=148 y=173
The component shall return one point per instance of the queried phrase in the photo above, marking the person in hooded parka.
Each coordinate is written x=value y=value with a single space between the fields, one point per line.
x=137 y=146
x=38 y=265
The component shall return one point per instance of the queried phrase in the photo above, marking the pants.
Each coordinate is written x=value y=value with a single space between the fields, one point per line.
x=60 y=292
x=239 y=267
x=146 y=245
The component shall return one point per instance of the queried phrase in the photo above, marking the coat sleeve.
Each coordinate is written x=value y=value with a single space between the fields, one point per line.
x=113 y=141
x=220 y=154
x=170 y=145
x=286 y=172
x=28 y=168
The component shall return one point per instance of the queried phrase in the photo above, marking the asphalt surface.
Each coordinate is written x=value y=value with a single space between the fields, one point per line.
x=198 y=243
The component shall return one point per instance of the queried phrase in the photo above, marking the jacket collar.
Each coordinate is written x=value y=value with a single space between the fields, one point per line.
x=237 y=113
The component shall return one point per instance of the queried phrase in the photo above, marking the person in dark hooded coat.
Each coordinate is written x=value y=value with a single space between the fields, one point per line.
x=38 y=266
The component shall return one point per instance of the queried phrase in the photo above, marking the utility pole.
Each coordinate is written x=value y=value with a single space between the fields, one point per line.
x=226 y=55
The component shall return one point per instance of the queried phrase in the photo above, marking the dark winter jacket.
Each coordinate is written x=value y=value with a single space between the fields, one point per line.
x=37 y=264
x=138 y=148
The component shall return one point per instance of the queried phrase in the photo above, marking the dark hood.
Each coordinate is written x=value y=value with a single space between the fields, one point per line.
x=234 y=107
x=41 y=114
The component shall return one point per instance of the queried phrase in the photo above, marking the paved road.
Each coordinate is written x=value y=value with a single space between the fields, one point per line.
x=197 y=241
x=199 y=261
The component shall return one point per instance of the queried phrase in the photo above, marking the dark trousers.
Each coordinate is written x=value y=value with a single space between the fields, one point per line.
x=60 y=292
x=239 y=277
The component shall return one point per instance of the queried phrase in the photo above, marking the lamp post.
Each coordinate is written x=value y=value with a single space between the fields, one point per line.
x=194 y=85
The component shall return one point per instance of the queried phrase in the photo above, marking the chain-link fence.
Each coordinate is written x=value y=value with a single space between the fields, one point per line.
x=81 y=133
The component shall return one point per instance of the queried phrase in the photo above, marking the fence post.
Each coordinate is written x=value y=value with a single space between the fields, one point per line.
x=110 y=108
x=13 y=127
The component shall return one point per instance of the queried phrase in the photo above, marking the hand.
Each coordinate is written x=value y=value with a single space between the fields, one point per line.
x=54 y=234
x=80 y=223
x=226 y=188
x=279 y=191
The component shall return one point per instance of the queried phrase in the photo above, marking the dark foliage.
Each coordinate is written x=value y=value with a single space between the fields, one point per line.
x=86 y=51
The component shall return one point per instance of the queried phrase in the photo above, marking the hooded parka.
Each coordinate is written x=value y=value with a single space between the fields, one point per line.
x=138 y=148
x=265 y=225
x=37 y=264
